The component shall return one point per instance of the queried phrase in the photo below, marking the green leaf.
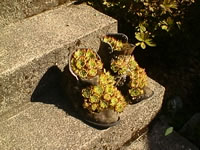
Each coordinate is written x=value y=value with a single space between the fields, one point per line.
x=78 y=53
x=114 y=101
x=169 y=131
x=91 y=63
x=92 y=72
x=94 y=107
x=167 y=5
x=94 y=99
x=119 y=107
x=134 y=92
x=138 y=44
x=109 y=89
x=170 y=21
x=142 y=28
x=86 y=93
x=98 y=90
x=164 y=27
x=99 y=64
x=114 y=68
x=80 y=64
x=144 y=35
x=149 y=42
x=82 y=74
x=138 y=36
x=107 y=97
x=143 y=45
x=90 y=54
x=103 y=104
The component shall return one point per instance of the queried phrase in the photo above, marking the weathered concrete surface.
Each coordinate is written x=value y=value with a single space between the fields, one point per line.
x=134 y=119
x=47 y=126
x=15 y=10
x=30 y=47
x=155 y=139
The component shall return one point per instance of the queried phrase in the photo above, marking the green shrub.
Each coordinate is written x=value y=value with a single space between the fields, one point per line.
x=146 y=17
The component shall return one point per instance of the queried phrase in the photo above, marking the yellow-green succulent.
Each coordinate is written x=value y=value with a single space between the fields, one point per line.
x=85 y=63
x=123 y=64
x=116 y=44
x=138 y=80
x=103 y=96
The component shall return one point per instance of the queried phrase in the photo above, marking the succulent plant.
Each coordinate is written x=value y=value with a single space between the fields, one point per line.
x=103 y=96
x=85 y=63
x=123 y=64
x=119 y=45
x=116 y=44
x=138 y=80
x=106 y=78
x=126 y=66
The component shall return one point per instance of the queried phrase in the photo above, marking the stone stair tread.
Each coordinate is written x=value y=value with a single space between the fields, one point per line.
x=154 y=139
x=13 y=11
x=30 y=47
x=44 y=126
x=34 y=37
x=47 y=126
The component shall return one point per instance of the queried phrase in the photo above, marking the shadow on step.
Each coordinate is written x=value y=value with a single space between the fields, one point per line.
x=162 y=137
x=51 y=89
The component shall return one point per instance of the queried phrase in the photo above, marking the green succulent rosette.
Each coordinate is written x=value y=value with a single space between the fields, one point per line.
x=116 y=44
x=123 y=64
x=103 y=96
x=138 y=80
x=85 y=63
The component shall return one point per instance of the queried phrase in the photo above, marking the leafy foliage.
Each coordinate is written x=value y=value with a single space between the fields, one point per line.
x=148 y=18
x=169 y=131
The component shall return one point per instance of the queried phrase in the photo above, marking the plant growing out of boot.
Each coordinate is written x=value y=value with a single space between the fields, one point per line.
x=116 y=44
x=122 y=66
x=119 y=44
x=137 y=85
x=138 y=81
x=125 y=67
x=85 y=63
x=103 y=96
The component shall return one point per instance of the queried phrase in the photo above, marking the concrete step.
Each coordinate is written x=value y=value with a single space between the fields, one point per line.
x=155 y=139
x=48 y=122
x=30 y=47
x=15 y=10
